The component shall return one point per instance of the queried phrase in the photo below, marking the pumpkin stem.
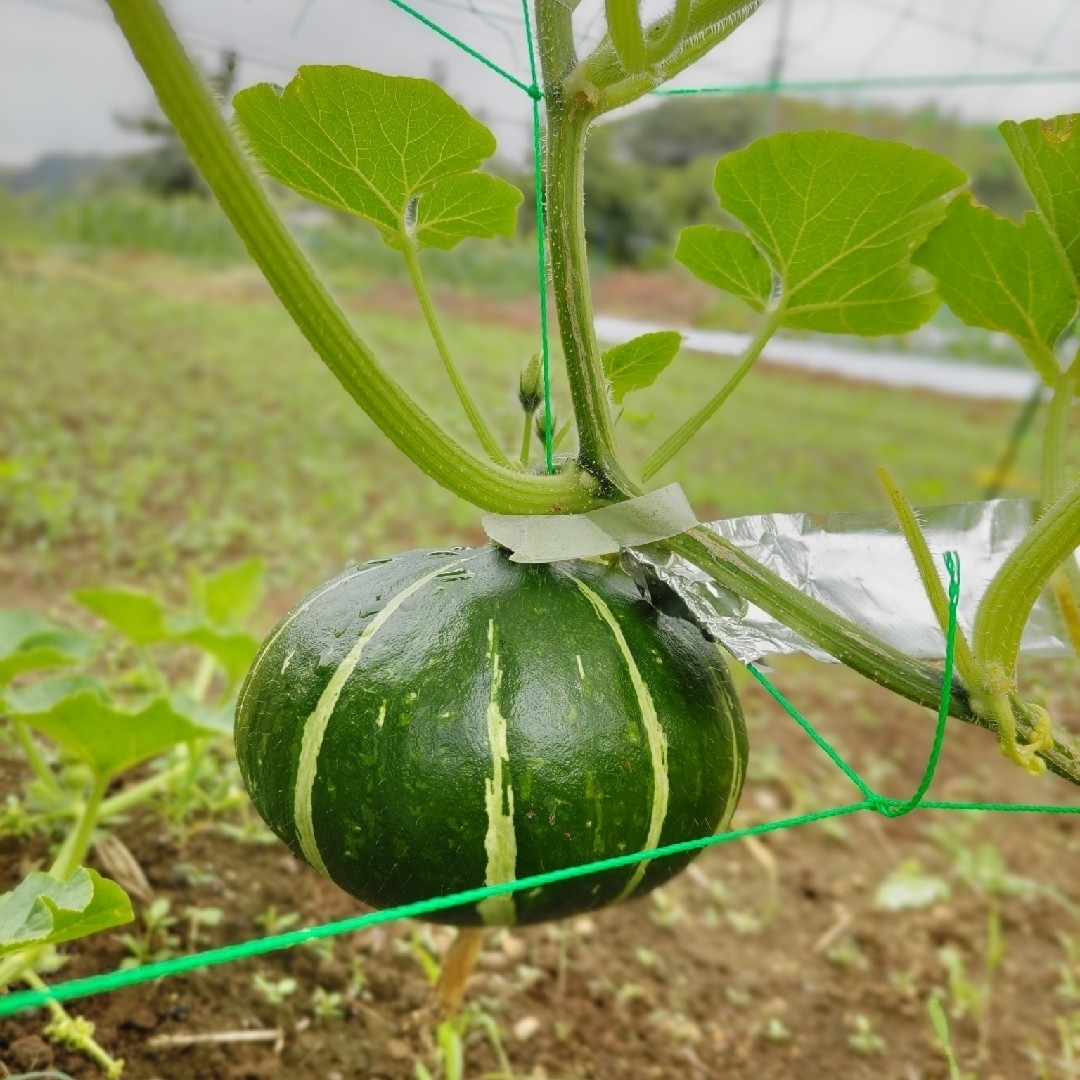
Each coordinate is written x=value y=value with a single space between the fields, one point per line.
x=457 y=966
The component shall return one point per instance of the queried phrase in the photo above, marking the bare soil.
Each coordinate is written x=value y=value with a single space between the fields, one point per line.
x=769 y=958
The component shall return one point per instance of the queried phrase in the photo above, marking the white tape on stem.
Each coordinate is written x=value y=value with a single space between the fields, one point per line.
x=552 y=538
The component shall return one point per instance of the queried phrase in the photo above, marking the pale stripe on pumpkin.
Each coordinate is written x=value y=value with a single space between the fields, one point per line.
x=264 y=651
x=500 y=842
x=316 y=724
x=654 y=733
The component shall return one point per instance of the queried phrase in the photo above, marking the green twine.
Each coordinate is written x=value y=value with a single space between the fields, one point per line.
x=444 y=33
x=896 y=82
x=535 y=93
x=887 y=807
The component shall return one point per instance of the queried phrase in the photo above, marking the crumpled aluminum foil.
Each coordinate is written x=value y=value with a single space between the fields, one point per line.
x=859 y=565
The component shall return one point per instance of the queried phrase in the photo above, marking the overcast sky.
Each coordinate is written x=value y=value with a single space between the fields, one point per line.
x=65 y=70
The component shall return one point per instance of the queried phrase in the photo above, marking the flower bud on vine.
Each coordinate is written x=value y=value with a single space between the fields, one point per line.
x=542 y=426
x=530 y=386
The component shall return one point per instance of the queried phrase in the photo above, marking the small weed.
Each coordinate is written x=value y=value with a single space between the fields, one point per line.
x=664 y=912
x=198 y=919
x=326 y=1004
x=561 y=1030
x=864 y=1039
x=198 y=877
x=648 y=959
x=156 y=942
x=322 y=948
x=908 y=886
x=847 y=954
x=357 y=978
x=1069 y=972
x=277 y=922
x=273 y=992
x=775 y=1030
x=423 y=952
x=629 y=992
x=941 y=1031
x=453 y=1035
x=972 y=995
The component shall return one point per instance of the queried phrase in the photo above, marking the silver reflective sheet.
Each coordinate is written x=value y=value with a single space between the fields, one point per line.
x=859 y=565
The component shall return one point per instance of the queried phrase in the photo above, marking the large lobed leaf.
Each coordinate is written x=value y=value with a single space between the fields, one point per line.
x=138 y=615
x=234 y=650
x=108 y=739
x=1020 y=279
x=226 y=599
x=231 y=595
x=31 y=643
x=44 y=910
x=831 y=222
x=1002 y=276
x=1048 y=153
x=397 y=151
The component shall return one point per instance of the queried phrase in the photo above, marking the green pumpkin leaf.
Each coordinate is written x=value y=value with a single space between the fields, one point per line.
x=233 y=649
x=637 y=363
x=139 y=616
x=31 y=643
x=111 y=740
x=396 y=151
x=1048 y=153
x=43 y=695
x=216 y=718
x=472 y=204
x=831 y=222
x=44 y=910
x=231 y=595
x=1001 y=276
x=727 y=260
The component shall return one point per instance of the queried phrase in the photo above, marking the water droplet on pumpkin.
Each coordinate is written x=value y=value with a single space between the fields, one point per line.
x=456 y=573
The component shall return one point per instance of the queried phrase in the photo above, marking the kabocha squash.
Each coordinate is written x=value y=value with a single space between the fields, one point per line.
x=442 y=720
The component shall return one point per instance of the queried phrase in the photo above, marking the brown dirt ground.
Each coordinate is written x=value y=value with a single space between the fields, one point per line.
x=767 y=959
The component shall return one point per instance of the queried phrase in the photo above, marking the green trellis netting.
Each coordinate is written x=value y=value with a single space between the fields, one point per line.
x=505 y=45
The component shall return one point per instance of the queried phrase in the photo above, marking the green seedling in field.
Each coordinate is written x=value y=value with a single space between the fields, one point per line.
x=199 y=919
x=939 y=1022
x=971 y=996
x=273 y=991
x=277 y=922
x=453 y=1035
x=156 y=939
x=982 y=868
x=1067 y=1065
x=326 y=1004
x=864 y=1039
x=97 y=731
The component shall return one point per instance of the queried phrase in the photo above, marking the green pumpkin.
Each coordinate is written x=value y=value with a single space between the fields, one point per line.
x=444 y=720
